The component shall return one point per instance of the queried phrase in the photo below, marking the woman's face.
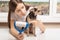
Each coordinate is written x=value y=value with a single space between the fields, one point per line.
x=20 y=9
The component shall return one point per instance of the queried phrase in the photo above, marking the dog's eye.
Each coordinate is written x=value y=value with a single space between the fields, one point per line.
x=39 y=10
x=35 y=9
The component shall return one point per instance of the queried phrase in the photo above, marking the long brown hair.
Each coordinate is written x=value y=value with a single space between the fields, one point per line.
x=12 y=7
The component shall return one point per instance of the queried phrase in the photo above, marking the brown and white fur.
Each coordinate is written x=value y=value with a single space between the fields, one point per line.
x=32 y=16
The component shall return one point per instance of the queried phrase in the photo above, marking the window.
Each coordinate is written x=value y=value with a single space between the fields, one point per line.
x=50 y=9
x=3 y=6
x=58 y=6
x=42 y=5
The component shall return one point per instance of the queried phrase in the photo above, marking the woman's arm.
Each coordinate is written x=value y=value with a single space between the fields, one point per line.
x=14 y=32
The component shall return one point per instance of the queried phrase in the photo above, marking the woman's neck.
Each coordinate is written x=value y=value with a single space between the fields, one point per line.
x=19 y=16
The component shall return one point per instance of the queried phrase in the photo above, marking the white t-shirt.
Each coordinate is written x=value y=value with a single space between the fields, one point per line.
x=15 y=17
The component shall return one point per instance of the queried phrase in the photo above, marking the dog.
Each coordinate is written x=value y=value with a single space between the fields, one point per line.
x=32 y=16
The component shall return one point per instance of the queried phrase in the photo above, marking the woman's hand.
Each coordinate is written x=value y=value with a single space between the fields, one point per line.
x=20 y=37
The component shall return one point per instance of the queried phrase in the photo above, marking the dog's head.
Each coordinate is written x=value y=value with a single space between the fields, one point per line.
x=33 y=13
x=36 y=11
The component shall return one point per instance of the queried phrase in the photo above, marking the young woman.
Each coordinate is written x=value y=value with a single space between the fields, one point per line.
x=17 y=11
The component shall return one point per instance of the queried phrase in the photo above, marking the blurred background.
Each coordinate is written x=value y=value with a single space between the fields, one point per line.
x=50 y=16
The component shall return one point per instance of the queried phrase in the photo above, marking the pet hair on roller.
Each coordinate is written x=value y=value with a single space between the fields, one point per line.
x=20 y=24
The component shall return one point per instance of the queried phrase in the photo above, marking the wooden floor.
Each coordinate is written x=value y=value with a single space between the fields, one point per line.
x=53 y=25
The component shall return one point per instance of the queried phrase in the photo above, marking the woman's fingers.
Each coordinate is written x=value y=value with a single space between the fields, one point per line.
x=20 y=37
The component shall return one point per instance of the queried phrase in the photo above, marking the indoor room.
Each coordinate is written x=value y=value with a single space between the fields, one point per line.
x=41 y=20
